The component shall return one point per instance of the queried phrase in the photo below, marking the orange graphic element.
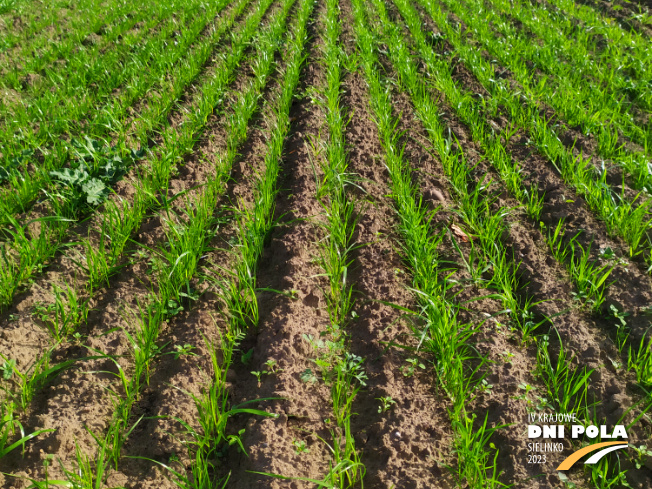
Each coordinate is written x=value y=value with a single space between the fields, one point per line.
x=574 y=457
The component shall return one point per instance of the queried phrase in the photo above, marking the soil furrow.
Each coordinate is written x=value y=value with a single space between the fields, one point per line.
x=576 y=327
x=563 y=202
x=134 y=281
x=287 y=265
x=167 y=398
x=408 y=445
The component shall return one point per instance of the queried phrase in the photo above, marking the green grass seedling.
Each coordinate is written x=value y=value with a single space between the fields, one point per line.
x=119 y=221
x=640 y=361
x=443 y=337
x=9 y=425
x=474 y=450
x=67 y=312
x=567 y=386
x=589 y=278
x=26 y=252
x=34 y=377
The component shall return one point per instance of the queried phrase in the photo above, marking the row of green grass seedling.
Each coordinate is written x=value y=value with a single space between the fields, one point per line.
x=566 y=389
x=68 y=312
x=591 y=280
x=565 y=384
x=636 y=42
x=339 y=367
x=475 y=200
x=110 y=117
x=255 y=222
x=25 y=32
x=622 y=217
x=120 y=219
x=440 y=332
x=75 y=47
x=63 y=89
x=579 y=101
x=82 y=188
x=18 y=387
x=474 y=207
x=578 y=47
x=213 y=407
x=187 y=236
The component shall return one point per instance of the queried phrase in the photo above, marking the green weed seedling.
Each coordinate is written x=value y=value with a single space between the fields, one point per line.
x=258 y=374
x=87 y=182
x=308 y=376
x=525 y=396
x=386 y=403
x=245 y=358
x=642 y=454
x=272 y=369
x=183 y=350
x=300 y=447
x=411 y=367
x=7 y=368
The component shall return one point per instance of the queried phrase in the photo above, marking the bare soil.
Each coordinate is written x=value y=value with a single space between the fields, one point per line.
x=411 y=444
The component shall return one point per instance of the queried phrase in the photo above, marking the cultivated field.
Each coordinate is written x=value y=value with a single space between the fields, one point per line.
x=323 y=243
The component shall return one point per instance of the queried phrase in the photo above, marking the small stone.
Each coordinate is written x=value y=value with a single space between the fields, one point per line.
x=438 y=195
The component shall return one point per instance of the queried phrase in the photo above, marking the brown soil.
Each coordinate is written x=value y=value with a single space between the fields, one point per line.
x=546 y=281
x=572 y=137
x=407 y=446
x=411 y=444
x=623 y=12
x=92 y=407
